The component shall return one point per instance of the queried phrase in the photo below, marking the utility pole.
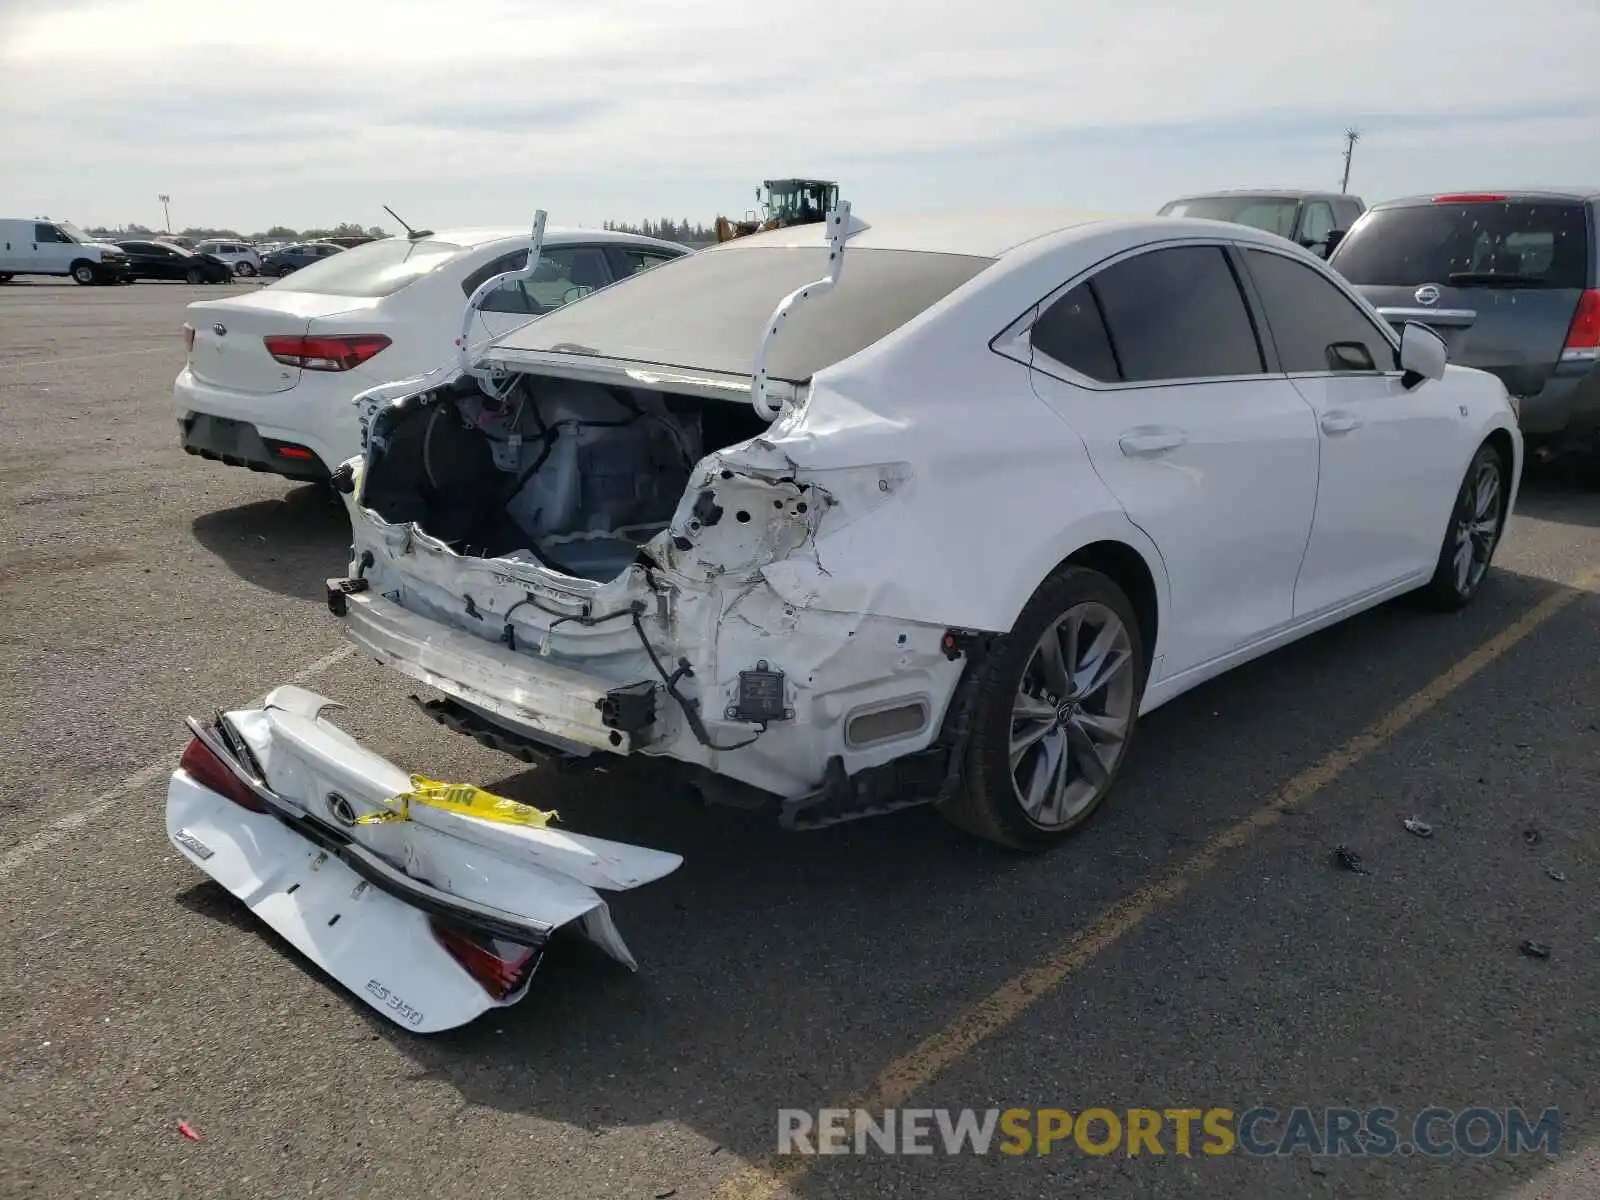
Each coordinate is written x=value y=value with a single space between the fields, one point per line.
x=1351 y=137
x=167 y=216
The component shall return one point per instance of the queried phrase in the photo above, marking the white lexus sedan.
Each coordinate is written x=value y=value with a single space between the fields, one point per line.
x=271 y=373
x=836 y=519
x=1024 y=484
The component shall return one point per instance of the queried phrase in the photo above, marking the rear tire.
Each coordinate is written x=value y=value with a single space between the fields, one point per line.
x=1054 y=710
x=83 y=273
x=243 y=270
x=1476 y=523
x=195 y=275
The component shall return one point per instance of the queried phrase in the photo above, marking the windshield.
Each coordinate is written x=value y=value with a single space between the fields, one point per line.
x=707 y=311
x=376 y=269
x=1259 y=212
x=1533 y=244
x=73 y=232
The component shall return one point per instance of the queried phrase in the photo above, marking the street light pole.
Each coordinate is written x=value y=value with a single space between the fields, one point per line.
x=1351 y=137
x=165 y=215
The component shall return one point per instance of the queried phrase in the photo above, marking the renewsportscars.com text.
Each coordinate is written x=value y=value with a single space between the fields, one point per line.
x=1135 y=1132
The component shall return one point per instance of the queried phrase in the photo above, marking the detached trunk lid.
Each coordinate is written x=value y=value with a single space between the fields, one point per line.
x=230 y=349
x=1499 y=278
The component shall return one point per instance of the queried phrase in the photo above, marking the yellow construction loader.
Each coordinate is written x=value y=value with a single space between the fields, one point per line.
x=784 y=202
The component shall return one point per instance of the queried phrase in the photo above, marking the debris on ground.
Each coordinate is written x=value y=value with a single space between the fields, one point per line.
x=1558 y=876
x=184 y=1128
x=1347 y=858
x=1535 y=949
x=1418 y=826
x=1532 y=836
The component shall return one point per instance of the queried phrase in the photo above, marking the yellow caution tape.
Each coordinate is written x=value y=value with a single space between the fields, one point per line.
x=462 y=798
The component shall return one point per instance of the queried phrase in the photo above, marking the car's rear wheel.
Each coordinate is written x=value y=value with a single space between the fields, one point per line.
x=1053 y=713
x=1476 y=523
x=195 y=275
x=83 y=273
x=243 y=270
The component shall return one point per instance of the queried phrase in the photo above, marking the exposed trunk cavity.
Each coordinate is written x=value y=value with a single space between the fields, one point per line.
x=574 y=476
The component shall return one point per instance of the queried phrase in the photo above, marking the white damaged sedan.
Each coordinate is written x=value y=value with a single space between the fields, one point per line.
x=853 y=516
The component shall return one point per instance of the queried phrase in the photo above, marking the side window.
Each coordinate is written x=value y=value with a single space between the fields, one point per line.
x=49 y=233
x=564 y=274
x=1177 y=314
x=1317 y=223
x=1347 y=215
x=643 y=260
x=1073 y=332
x=1315 y=325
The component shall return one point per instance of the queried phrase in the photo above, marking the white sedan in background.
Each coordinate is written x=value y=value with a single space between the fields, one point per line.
x=270 y=374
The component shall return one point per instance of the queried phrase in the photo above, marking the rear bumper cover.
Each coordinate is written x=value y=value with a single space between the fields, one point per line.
x=241 y=444
x=1567 y=407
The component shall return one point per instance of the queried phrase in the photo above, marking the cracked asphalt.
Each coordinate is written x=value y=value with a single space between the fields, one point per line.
x=892 y=958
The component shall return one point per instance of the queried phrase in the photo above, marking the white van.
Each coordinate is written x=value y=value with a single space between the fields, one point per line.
x=241 y=256
x=33 y=246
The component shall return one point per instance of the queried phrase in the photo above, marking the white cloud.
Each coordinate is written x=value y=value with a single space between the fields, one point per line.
x=303 y=111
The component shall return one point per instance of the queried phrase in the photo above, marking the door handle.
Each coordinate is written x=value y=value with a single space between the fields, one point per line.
x=1147 y=442
x=1340 y=422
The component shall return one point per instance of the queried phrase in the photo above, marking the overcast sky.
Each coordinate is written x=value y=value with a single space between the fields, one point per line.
x=479 y=111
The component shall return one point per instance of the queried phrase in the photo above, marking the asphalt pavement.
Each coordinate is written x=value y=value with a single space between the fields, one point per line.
x=1196 y=947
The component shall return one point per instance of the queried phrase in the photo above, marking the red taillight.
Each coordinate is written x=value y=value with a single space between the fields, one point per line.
x=1583 y=336
x=188 y=337
x=1469 y=198
x=481 y=956
x=205 y=768
x=325 y=353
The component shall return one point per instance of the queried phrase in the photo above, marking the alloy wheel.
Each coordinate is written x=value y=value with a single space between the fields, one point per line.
x=1072 y=714
x=1477 y=527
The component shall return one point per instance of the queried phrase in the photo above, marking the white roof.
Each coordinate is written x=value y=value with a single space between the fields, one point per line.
x=984 y=235
x=481 y=235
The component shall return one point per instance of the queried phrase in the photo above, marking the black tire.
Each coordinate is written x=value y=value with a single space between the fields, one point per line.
x=84 y=274
x=989 y=804
x=243 y=270
x=6 y=276
x=1479 y=524
x=196 y=275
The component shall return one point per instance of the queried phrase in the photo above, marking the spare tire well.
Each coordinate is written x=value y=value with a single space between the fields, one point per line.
x=1125 y=567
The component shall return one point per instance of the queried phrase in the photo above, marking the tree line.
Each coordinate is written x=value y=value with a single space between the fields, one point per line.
x=278 y=233
x=667 y=230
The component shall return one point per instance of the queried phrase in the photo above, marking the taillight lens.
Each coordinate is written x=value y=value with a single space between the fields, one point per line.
x=1583 y=337
x=188 y=338
x=325 y=353
x=499 y=966
x=205 y=768
x=1469 y=198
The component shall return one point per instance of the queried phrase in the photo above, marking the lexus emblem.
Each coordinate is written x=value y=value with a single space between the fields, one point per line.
x=343 y=811
x=1427 y=294
x=220 y=329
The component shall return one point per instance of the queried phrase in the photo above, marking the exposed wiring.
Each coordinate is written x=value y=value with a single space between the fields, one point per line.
x=690 y=713
x=509 y=633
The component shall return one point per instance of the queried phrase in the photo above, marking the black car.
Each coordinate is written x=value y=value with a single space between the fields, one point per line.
x=289 y=259
x=1511 y=281
x=161 y=260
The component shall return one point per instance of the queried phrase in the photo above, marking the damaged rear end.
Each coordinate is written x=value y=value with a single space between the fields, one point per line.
x=432 y=915
x=591 y=543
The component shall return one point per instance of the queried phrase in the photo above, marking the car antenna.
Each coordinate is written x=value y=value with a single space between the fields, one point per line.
x=412 y=234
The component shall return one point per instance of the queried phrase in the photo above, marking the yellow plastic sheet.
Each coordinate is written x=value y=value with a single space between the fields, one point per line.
x=462 y=798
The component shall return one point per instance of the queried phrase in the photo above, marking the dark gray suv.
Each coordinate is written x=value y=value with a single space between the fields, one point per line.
x=1509 y=280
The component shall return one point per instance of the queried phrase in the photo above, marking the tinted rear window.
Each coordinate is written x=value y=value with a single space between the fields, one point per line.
x=708 y=310
x=1539 y=244
x=376 y=269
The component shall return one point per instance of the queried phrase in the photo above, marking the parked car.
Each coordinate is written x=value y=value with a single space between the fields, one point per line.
x=29 y=246
x=241 y=256
x=941 y=531
x=287 y=259
x=1511 y=281
x=1315 y=220
x=270 y=374
x=349 y=240
x=158 y=260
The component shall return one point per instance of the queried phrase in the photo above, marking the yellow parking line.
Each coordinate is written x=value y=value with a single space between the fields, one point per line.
x=901 y=1078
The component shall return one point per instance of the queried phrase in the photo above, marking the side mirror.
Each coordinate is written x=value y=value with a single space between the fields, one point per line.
x=1422 y=354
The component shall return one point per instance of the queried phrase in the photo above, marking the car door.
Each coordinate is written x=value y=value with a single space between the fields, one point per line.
x=54 y=251
x=1155 y=362
x=1389 y=455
